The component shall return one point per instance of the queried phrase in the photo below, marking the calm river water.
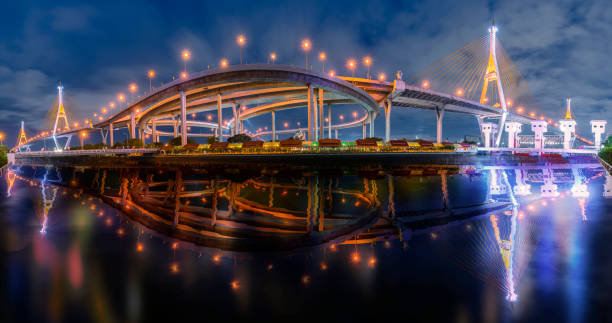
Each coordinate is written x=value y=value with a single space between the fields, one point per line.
x=278 y=242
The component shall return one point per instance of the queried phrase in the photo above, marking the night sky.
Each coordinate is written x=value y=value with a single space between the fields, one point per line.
x=561 y=48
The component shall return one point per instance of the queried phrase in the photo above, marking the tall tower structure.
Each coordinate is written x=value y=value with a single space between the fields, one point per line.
x=61 y=115
x=61 y=112
x=568 y=126
x=492 y=75
x=598 y=127
x=22 y=139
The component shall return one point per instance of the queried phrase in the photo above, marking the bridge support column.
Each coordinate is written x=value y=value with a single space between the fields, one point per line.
x=439 y=118
x=175 y=127
x=110 y=133
x=539 y=127
x=273 y=126
x=141 y=134
x=372 y=124
x=154 y=132
x=387 y=106
x=183 y=118
x=132 y=125
x=321 y=121
x=598 y=127
x=363 y=130
x=487 y=129
x=512 y=128
x=235 y=118
x=219 y=117
x=315 y=116
x=309 y=98
x=336 y=133
x=329 y=124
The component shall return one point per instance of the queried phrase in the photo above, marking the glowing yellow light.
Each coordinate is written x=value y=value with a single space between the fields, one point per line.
x=286 y=124
x=306 y=45
x=241 y=40
x=323 y=266
x=532 y=114
x=520 y=109
x=151 y=74
x=273 y=56
x=174 y=268
x=139 y=247
x=367 y=61
x=83 y=134
x=322 y=56
x=305 y=279
x=509 y=103
x=224 y=63
x=355 y=257
x=341 y=117
x=351 y=64
x=133 y=87
x=216 y=258
x=425 y=84
x=381 y=76
x=104 y=110
x=459 y=92
x=372 y=262
x=120 y=97
x=235 y=284
x=183 y=75
x=186 y=54
x=332 y=73
x=111 y=105
x=76 y=124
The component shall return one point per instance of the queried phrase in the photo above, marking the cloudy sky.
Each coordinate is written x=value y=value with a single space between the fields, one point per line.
x=96 y=49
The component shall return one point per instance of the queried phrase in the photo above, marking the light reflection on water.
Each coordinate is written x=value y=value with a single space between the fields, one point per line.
x=266 y=240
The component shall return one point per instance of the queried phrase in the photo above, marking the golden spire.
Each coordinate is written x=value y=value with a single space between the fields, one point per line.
x=568 y=113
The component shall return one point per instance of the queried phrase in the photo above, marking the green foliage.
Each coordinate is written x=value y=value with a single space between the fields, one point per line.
x=238 y=138
x=176 y=141
x=606 y=154
x=608 y=142
x=211 y=140
x=155 y=145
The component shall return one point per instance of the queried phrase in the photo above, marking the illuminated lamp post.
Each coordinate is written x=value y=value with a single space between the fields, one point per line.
x=82 y=136
x=121 y=97
x=322 y=58
x=381 y=77
x=273 y=57
x=351 y=64
x=367 y=61
x=223 y=63
x=186 y=55
x=241 y=40
x=151 y=75
x=306 y=46
x=133 y=88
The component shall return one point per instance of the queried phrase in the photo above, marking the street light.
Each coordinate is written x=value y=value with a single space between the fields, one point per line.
x=184 y=75
x=351 y=64
x=367 y=61
x=121 y=97
x=332 y=73
x=355 y=114
x=273 y=57
x=341 y=117
x=133 y=88
x=151 y=75
x=1 y=139
x=322 y=58
x=111 y=105
x=186 y=55
x=223 y=63
x=381 y=77
x=83 y=135
x=306 y=46
x=241 y=40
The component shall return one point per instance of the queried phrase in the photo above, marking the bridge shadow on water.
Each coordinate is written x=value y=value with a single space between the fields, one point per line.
x=302 y=242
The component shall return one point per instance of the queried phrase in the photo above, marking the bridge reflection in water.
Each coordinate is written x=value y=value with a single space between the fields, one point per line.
x=486 y=220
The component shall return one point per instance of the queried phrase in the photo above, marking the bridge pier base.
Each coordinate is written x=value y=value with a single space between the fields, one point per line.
x=273 y=126
x=132 y=125
x=371 y=124
x=387 y=106
x=111 y=135
x=329 y=123
x=315 y=116
x=512 y=128
x=321 y=123
x=309 y=98
x=219 y=117
x=235 y=128
x=183 y=118
x=439 y=118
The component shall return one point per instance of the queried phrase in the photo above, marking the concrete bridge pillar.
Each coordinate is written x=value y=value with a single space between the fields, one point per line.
x=568 y=127
x=539 y=127
x=309 y=98
x=439 y=118
x=387 y=106
x=235 y=132
x=321 y=120
x=154 y=132
x=132 y=124
x=219 y=117
x=183 y=118
x=363 y=127
x=110 y=132
x=336 y=133
x=598 y=127
x=371 y=124
x=512 y=128
x=329 y=124
x=488 y=130
x=315 y=116
x=273 y=126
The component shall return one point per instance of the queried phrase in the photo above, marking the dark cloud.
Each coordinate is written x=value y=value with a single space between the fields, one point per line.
x=97 y=49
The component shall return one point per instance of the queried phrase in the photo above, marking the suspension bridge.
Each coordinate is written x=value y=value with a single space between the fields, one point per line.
x=478 y=79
